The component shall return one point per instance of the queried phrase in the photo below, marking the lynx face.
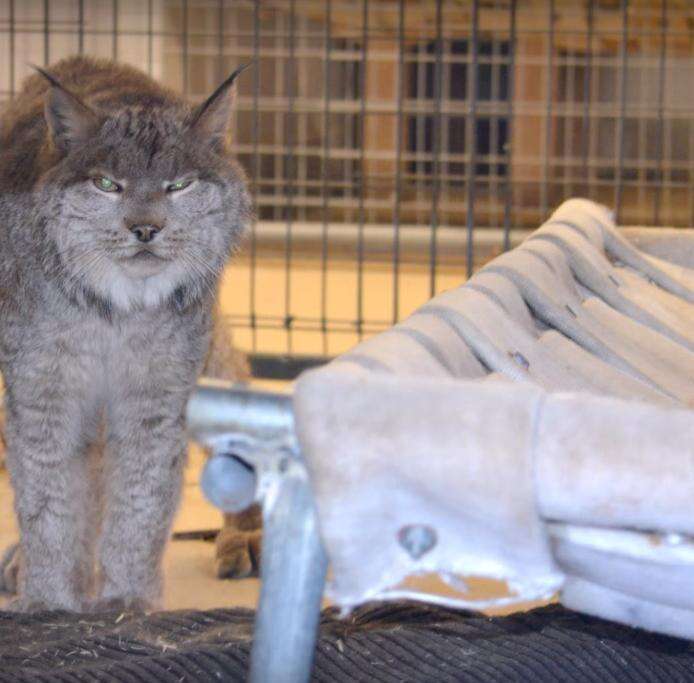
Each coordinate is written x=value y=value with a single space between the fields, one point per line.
x=145 y=204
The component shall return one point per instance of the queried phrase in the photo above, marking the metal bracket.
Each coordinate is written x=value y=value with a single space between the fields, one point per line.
x=256 y=457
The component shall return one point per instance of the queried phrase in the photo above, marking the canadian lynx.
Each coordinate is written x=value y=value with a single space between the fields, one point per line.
x=120 y=205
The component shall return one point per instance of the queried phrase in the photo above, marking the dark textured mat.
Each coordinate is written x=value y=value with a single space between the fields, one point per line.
x=386 y=643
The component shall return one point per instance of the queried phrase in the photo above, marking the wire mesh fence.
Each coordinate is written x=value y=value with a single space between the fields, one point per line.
x=395 y=145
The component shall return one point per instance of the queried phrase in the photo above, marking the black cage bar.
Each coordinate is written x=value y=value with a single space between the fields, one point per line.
x=393 y=146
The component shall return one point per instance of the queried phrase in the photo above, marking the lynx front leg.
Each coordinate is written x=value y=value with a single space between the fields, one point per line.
x=46 y=457
x=146 y=449
x=238 y=544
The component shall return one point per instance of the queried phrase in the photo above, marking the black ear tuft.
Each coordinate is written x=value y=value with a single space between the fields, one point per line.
x=49 y=77
x=212 y=116
x=70 y=120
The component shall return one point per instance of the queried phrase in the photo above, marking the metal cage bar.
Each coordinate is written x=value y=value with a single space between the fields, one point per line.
x=362 y=164
x=437 y=141
x=508 y=188
x=619 y=142
x=470 y=139
x=399 y=128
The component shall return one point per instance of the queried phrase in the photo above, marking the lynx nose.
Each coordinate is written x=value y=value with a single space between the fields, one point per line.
x=144 y=232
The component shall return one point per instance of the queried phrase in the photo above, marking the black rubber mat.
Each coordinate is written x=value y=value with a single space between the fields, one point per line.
x=385 y=643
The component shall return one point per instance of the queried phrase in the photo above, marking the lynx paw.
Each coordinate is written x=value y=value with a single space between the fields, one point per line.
x=29 y=605
x=25 y=606
x=238 y=553
x=122 y=605
x=9 y=569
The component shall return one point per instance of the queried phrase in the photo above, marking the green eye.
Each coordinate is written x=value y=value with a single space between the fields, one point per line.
x=106 y=184
x=179 y=185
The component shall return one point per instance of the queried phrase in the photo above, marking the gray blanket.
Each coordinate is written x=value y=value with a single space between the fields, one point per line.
x=533 y=425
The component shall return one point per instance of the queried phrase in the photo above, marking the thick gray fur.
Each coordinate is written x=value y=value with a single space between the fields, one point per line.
x=101 y=343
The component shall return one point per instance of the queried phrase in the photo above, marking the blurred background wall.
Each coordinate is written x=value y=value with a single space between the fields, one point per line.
x=395 y=145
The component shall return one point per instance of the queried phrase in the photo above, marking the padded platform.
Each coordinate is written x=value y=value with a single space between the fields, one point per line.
x=387 y=643
x=533 y=425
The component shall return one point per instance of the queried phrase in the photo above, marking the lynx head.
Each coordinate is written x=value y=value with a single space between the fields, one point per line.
x=145 y=203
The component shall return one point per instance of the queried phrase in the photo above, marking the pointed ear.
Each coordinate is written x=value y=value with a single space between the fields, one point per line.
x=70 y=120
x=211 y=118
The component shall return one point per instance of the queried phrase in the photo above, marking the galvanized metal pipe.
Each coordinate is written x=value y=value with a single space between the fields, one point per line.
x=293 y=572
x=215 y=412
x=229 y=483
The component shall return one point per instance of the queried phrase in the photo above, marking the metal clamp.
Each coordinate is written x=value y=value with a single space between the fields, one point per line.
x=256 y=457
